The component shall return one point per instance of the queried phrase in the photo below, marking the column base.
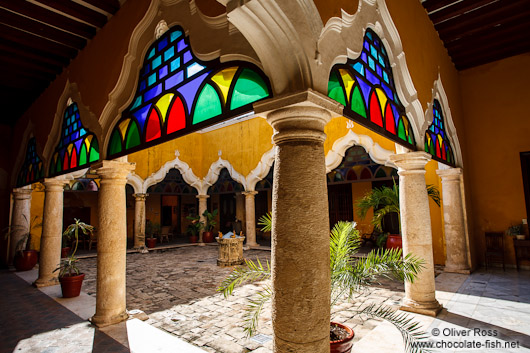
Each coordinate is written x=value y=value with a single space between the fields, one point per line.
x=102 y=321
x=457 y=270
x=141 y=249
x=201 y=244
x=428 y=309
x=46 y=282
x=252 y=245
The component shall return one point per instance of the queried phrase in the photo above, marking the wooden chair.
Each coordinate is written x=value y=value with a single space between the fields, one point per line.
x=164 y=234
x=494 y=248
x=93 y=239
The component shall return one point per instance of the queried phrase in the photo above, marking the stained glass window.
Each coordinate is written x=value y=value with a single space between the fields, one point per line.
x=177 y=94
x=77 y=148
x=366 y=88
x=225 y=184
x=32 y=169
x=172 y=184
x=436 y=141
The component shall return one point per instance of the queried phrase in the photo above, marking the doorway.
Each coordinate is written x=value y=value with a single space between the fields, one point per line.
x=525 y=167
x=340 y=203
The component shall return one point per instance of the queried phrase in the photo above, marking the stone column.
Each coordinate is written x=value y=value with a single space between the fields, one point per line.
x=203 y=206
x=240 y=207
x=300 y=230
x=112 y=243
x=454 y=224
x=52 y=230
x=416 y=231
x=250 y=218
x=20 y=219
x=139 y=222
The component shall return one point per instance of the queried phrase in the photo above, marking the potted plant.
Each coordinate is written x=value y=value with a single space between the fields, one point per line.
x=516 y=230
x=151 y=230
x=65 y=245
x=25 y=256
x=385 y=201
x=210 y=223
x=348 y=276
x=194 y=228
x=69 y=276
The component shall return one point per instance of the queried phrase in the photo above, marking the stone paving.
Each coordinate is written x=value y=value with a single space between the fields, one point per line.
x=177 y=289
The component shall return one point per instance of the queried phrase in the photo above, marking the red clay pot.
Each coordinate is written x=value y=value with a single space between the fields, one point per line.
x=344 y=345
x=71 y=285
x=25 y=260
x=193 y=238
x=207 y=237
x=151 y=242
x=394 y=241
x=64 y=252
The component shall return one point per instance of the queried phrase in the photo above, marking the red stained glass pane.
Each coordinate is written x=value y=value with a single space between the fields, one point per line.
x=375 y=111
x=389 y=119
x=351 y=175
x=73 y=159
x=65 y=161
x=177 y=116
x=444 y=153
x=438 y=153
x=153 y=126
x=365 y=174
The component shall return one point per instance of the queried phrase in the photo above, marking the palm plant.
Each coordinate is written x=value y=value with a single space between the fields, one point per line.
x=210 y=222
x=349 y=275
x=384 y=201
x=25 y=233
x=68 y=265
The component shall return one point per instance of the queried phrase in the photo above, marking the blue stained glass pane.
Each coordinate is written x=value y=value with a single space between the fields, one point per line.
x=364 y=57
x=385 y=77
x=431 y=128
x=369 y=35
x=169 y=53
x=75 y=107
x=174 y=80
x=78 y=146
x=436 y=130
x=137 y=103
x=151 y=80
x=157 y=61
x=382 y=61
x=373 y=51
x=146 y=69
x=181 y=45
x=383 y=51
x=82 y=132
x=359 y=68
x=175 y=35
x=151 y=53
x=371 y=63
x=142 y=86
x=194 y=68
x=75 y=126
x=153 y=92
x=372 y=78
x=189 y=90
x=378 y=70
x=396 y=113
x=365 y=89
x=388 y=91
x=442 y=133
x=162 y=72
x=75 y=135
x=175 y=64
x=366 y=45
x=141 y=115
x=162 y=44
x=187 y=57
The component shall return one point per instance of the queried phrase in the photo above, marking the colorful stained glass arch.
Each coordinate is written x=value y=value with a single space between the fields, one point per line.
x=436 y=140
x=77 y=148
x=177 y=94
x=32 y=169
x=366 y=88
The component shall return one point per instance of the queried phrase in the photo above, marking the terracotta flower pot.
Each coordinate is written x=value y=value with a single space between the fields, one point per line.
x=207 y=237
x=151 y=242
x=394 y=241
x=194 y=238
x=71 y=285
x=26 y=260
x=343 y=345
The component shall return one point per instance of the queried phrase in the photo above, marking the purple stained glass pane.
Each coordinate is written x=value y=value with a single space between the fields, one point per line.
x=162 y=72
x=372 y=78
x=436 y=130
x=187 y=57
x=181 y=45
x=365 y=89
x=78 y=146
x=162 y=44
x=141 y=115
x=142 y=86
x=153 y=92
x=364 y=57
x=379 y=70
x=189 y=90
x=388 y=91
x=396 y=113
x=75 y=135
x=174 y=80
x=366 y=45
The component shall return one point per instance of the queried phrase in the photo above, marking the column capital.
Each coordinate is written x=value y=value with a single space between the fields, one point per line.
x=113 y=169
x=449 y=174
x=23 y=193
x=202 y=197
x=249 y=193
x=54 y=184
x=412 y=161
x=140 y=197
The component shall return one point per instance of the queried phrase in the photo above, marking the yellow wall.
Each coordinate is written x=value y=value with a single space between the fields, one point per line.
x=495 y=98
x=358 y=191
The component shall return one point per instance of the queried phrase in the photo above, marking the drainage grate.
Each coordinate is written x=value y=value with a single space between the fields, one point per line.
x=261 y=338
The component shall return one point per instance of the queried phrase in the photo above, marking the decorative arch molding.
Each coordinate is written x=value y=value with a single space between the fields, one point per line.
x=342 y=38
x=210 y=38
x=438 y=93
x=377 y=153
x=213 y=175
x=262 y=169
x=187 y=174
x=136 y=182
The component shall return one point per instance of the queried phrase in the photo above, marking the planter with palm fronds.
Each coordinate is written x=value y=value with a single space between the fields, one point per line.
x=26 y=257
x=209 y=224
x=348 y=276
x=384 y=201
x=194 y=228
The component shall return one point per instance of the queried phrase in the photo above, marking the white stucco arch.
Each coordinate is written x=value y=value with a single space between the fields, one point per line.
x=136 y=182
x=262 y=169
x=213 y=175
x=187 y=174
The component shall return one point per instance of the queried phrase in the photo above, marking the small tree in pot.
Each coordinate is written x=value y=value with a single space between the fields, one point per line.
x=69 y=276
x=151 y=230
x=210 y=223
x=194 y=228
x=26 y=257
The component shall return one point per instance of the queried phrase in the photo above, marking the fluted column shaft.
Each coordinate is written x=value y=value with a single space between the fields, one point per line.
x=454 y=224
x=203 y=206
x=20 y=219
x=250 y=217
x=139 y=222
x=52 y=228
x=416 y=230
x=112 y=243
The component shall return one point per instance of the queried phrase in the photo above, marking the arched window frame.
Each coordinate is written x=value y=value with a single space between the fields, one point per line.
x=437 y=142
x=32 y=170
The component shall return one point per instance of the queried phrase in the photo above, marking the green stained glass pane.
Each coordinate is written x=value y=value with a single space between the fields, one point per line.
x=335 y=90
x=431 y=149
x=59 y=165
x=133 y=136
x=94 y=151
x=401 y=130
x=249 y=88
x=151 y=79
x=82 y=155
x=380 y=173
x=208 y=105
x=357 y=102
x=157 y=61
x=137 y=103
x=409 y=137
x=426 y=145
x=52 y=167
x=115 y=142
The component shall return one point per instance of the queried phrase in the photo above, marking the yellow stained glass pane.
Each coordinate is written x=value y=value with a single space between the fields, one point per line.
x=406 y=123
x=223 y=79
x=88 y=140
x=440 y=139
x=163 y=105
x=348 y=81
x=428 y=138
x=123 y=127
x=69 y=149
x=55 y=157
x=382 y=99
x=30 y=167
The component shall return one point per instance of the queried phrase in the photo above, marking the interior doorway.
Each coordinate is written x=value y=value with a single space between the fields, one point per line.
x=525 y=168
x=340 y=203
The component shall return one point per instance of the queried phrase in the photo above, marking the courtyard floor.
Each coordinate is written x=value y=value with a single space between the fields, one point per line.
x=176 y=288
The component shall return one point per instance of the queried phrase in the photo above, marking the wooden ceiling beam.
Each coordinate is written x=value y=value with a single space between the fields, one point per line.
x=433 y=5
x=49 y=17
x=21 y=72
x=12 y=49
x=492 y=56
x=13 y=62
x=457 y=9
x=76 y=10
x=38 y=28
x=110 y=6
x=492 y=47
x=13 y=79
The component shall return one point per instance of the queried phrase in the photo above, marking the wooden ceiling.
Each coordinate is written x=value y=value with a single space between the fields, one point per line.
x=38 y=39
x=477 y=32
